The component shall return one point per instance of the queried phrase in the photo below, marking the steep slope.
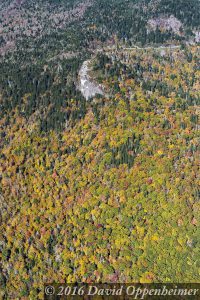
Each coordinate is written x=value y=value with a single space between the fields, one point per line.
x=103 y=190
x=113 y=198
x=43 y=43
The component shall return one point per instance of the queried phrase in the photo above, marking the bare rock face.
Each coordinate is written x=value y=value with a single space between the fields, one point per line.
x=165 y=23
x=87 y=87
x=197 y=36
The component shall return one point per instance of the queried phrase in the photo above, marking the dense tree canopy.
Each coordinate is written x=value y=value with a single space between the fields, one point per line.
x=114 y=196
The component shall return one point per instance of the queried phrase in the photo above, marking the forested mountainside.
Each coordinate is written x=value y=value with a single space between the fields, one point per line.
x=113 y=198
x=43 y=43
x=104 y=189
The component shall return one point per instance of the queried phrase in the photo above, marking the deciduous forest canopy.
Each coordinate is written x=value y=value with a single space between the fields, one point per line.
x=104 y=189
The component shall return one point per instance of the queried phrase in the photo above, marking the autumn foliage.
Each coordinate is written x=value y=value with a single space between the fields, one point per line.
x=114 y=197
